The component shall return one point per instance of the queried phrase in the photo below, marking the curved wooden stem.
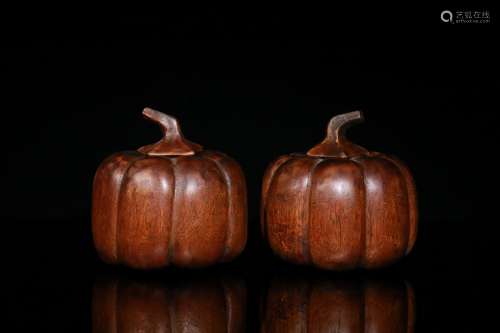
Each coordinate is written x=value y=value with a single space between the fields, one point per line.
x=173 y=142
x=339 y=124
x=168 y=124
x=335 y=144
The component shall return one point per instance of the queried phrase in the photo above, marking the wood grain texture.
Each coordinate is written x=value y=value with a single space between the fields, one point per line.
x=266 y=183
x=327 y=305
x=388 y=214
x=151 y=211
x=339 y=206
x=288 y=202
x=193 y=305
x=338 y=195
x=412 y=198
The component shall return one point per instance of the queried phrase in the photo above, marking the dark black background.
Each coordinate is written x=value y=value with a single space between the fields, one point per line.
x=254 y=83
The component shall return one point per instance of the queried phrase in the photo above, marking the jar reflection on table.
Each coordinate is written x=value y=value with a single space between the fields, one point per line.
x=123 y=304
x=304 y=304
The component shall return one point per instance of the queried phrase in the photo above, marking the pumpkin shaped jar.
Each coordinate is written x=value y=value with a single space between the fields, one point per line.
x=339 y=206
x=169 y=203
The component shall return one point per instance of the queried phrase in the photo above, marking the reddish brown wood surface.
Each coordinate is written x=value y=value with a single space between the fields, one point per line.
x=339 y=206
x=213 y=305
x=169 y=203
x=324 y=305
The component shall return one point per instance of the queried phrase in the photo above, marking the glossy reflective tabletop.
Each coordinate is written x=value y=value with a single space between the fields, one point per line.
x=63 y=287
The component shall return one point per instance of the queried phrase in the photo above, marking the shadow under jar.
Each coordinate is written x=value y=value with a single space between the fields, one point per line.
x=339 y=206
x=169 y=203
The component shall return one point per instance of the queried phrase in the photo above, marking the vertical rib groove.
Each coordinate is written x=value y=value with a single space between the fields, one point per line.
x=265 y=190
x=171 y=217
x=170 y=256
x=229 y=213
x=271 y=183
x=306 y=251
x=364 y=237
x=118 y=204
x=403 y=176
